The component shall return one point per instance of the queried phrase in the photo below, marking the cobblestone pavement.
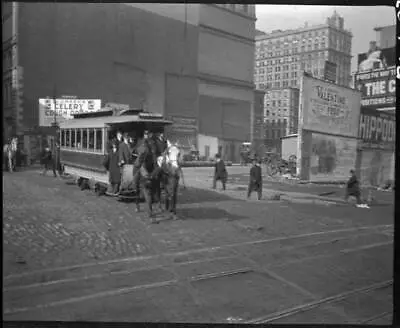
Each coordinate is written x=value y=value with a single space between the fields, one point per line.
x=83 y=257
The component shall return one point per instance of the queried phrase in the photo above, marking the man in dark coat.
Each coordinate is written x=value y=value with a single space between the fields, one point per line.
x=161 y=143
x=353 y=188
x=220 y=173
x=48 y=161
x=255 y=183
x=111 y=164
x=116 y=139
x=125 y=151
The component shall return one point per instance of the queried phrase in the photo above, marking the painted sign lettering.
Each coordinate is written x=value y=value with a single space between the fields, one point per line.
x=378 y=88
x=377 y=128
x=63 y=109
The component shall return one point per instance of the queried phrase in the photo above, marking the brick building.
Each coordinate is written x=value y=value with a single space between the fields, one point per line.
x=187 y=61
x=282 y=56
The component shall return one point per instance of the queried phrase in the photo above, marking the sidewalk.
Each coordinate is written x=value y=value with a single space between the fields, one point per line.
x=239 y=191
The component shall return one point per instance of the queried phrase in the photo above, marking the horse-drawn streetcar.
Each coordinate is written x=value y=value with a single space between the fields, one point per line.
x=85 y=139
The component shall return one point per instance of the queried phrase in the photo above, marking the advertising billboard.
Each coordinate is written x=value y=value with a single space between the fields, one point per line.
x=378 y=88
x=377 y=129
x=328 y=108
x=331 y=157
x=376 y=59
x=63 y=109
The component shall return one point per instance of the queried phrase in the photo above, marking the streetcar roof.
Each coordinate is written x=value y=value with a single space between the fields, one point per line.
x=101 y=122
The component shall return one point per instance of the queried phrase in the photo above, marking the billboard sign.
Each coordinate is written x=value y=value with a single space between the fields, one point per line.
x=331 y=157
x=378 y=88
x=63 y=109
x=378 y=59
x=377 y=129
x=328 y=108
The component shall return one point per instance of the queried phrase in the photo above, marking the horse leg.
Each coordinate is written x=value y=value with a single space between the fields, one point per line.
x=175 y=195
x=10 y=163
x=148 y=197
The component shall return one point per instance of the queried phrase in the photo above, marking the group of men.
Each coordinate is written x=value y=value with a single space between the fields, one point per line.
x=124 y=149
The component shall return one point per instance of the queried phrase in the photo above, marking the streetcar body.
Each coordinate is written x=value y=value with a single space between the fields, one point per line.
x=84 y=141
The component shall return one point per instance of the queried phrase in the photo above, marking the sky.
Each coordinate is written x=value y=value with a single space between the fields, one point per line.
x=359 y=20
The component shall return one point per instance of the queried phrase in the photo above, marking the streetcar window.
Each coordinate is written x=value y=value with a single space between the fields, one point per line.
x=78 y=139
x=73 y=138
x=84 y=138
x=91 y=139
x=62 y=137
x=99 y=140
x=67 y=137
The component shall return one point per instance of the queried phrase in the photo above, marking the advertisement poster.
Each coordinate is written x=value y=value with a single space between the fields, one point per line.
x=332 y=158
x=329 y=108
x=377 y=129
x=378 y=88
x=377 y=58
x=64 y=109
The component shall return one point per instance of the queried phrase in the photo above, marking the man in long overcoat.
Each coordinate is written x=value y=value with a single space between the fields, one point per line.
x=220 y=173
x=111 y=164
x=255 y=183
x=125 y=151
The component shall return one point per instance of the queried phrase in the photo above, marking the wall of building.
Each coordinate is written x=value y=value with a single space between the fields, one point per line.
x=208 y=146
x=227 y=21
x=124 y=53
x=386 y=36
x=289 y=147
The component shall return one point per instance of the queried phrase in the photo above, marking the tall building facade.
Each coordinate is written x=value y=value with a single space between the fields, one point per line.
x=281 y=115
x=281 y=56
x=191 y=62
x=257 y=135
x=282 y=105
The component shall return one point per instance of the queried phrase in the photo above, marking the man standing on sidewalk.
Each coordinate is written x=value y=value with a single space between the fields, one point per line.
x=255 y=183
x=220 y=172
x=48 y=162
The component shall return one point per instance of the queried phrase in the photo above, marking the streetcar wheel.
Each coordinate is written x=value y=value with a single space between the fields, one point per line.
x=79 y=182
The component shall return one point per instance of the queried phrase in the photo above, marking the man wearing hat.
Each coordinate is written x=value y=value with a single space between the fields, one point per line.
x=125 y=151
x=220 y=173
x=255 y=183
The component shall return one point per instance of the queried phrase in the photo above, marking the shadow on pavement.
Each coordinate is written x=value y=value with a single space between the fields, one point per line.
x=192 y=195
x=207 y=213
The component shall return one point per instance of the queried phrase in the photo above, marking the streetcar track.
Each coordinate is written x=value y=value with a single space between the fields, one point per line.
x=111 y=273
x=312 y=305
x=125 y=290
x=194 y=251
x=376 y=317
x=152 y=267
x=344 y=251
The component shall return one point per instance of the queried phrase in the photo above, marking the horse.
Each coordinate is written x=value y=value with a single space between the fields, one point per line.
x=10 y=154
x=171 y=176
x=145 y=180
